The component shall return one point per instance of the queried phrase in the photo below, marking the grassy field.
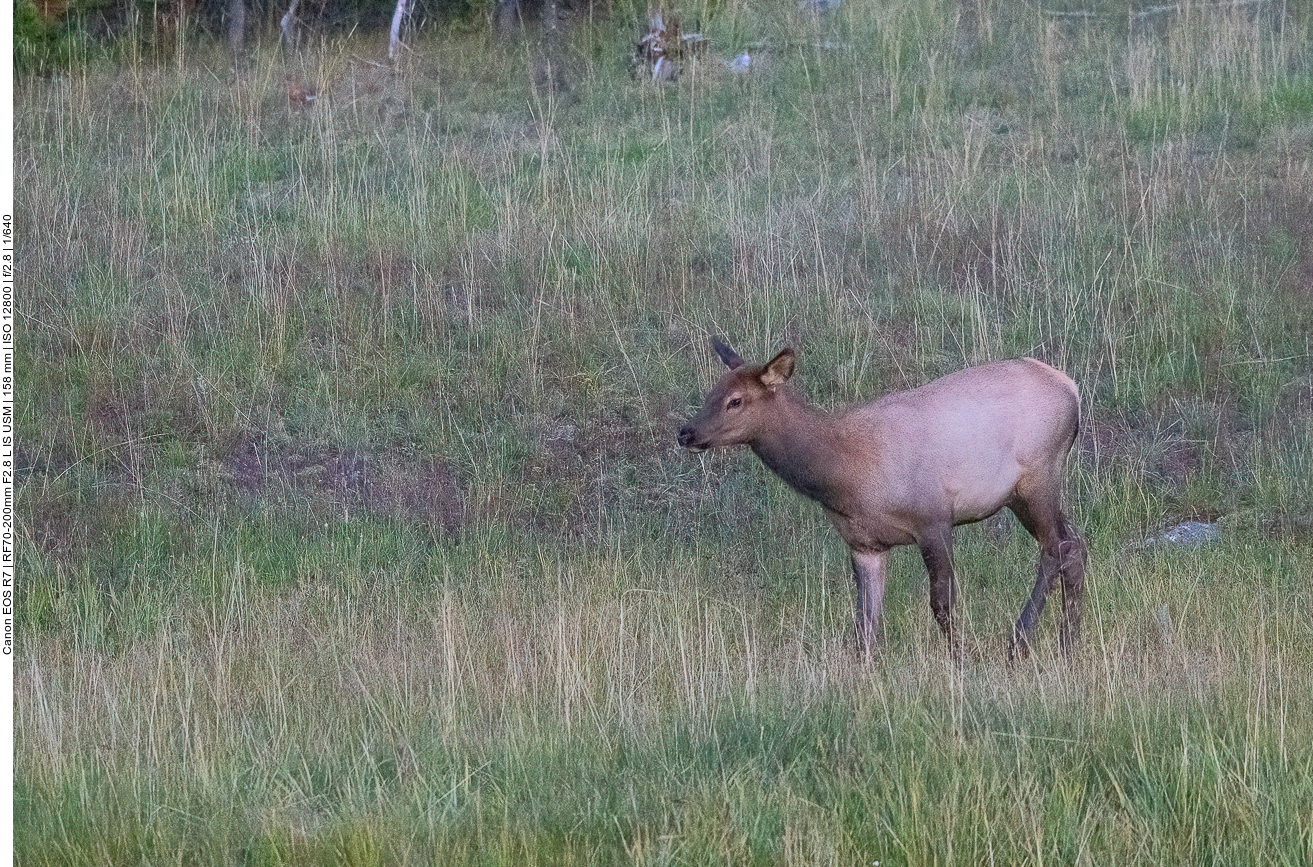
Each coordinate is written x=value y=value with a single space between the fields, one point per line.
x=352 y=525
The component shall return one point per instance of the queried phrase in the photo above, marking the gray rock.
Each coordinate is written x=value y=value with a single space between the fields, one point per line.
x=1187 y=534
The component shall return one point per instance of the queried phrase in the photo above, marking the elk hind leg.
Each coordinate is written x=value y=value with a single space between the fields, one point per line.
x=1046 y=524
x=1072 y=555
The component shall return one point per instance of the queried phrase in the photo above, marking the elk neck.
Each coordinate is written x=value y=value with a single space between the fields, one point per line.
x=805 y=448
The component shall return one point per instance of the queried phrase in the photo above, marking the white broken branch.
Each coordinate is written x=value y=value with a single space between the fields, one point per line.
x=394 y=34
x=287 y=27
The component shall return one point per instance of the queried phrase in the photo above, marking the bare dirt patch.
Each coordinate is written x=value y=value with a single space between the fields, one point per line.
x=346 y=482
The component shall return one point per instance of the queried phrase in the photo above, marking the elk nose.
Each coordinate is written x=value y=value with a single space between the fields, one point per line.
x=686 y=437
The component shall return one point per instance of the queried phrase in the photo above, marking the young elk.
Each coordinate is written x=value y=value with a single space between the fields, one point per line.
x=906 y=468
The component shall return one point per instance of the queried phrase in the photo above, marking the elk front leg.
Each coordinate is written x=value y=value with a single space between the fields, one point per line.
x=937 y=552
x=868 y=576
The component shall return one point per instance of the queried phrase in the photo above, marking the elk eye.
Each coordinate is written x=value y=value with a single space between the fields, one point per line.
x=734 y=403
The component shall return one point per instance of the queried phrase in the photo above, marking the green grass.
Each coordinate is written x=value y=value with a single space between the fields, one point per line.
x=352 y=526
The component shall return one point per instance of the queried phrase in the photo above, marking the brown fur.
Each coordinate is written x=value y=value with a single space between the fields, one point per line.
x=906 y=468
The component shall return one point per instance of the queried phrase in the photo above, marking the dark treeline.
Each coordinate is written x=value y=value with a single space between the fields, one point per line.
x=52 y=34
x=113 y=19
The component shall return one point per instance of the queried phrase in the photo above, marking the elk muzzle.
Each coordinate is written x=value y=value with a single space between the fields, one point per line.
x=688 y=439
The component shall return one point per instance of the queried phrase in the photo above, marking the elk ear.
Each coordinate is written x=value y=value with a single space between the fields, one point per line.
x=778 y=370
x=727 y=355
